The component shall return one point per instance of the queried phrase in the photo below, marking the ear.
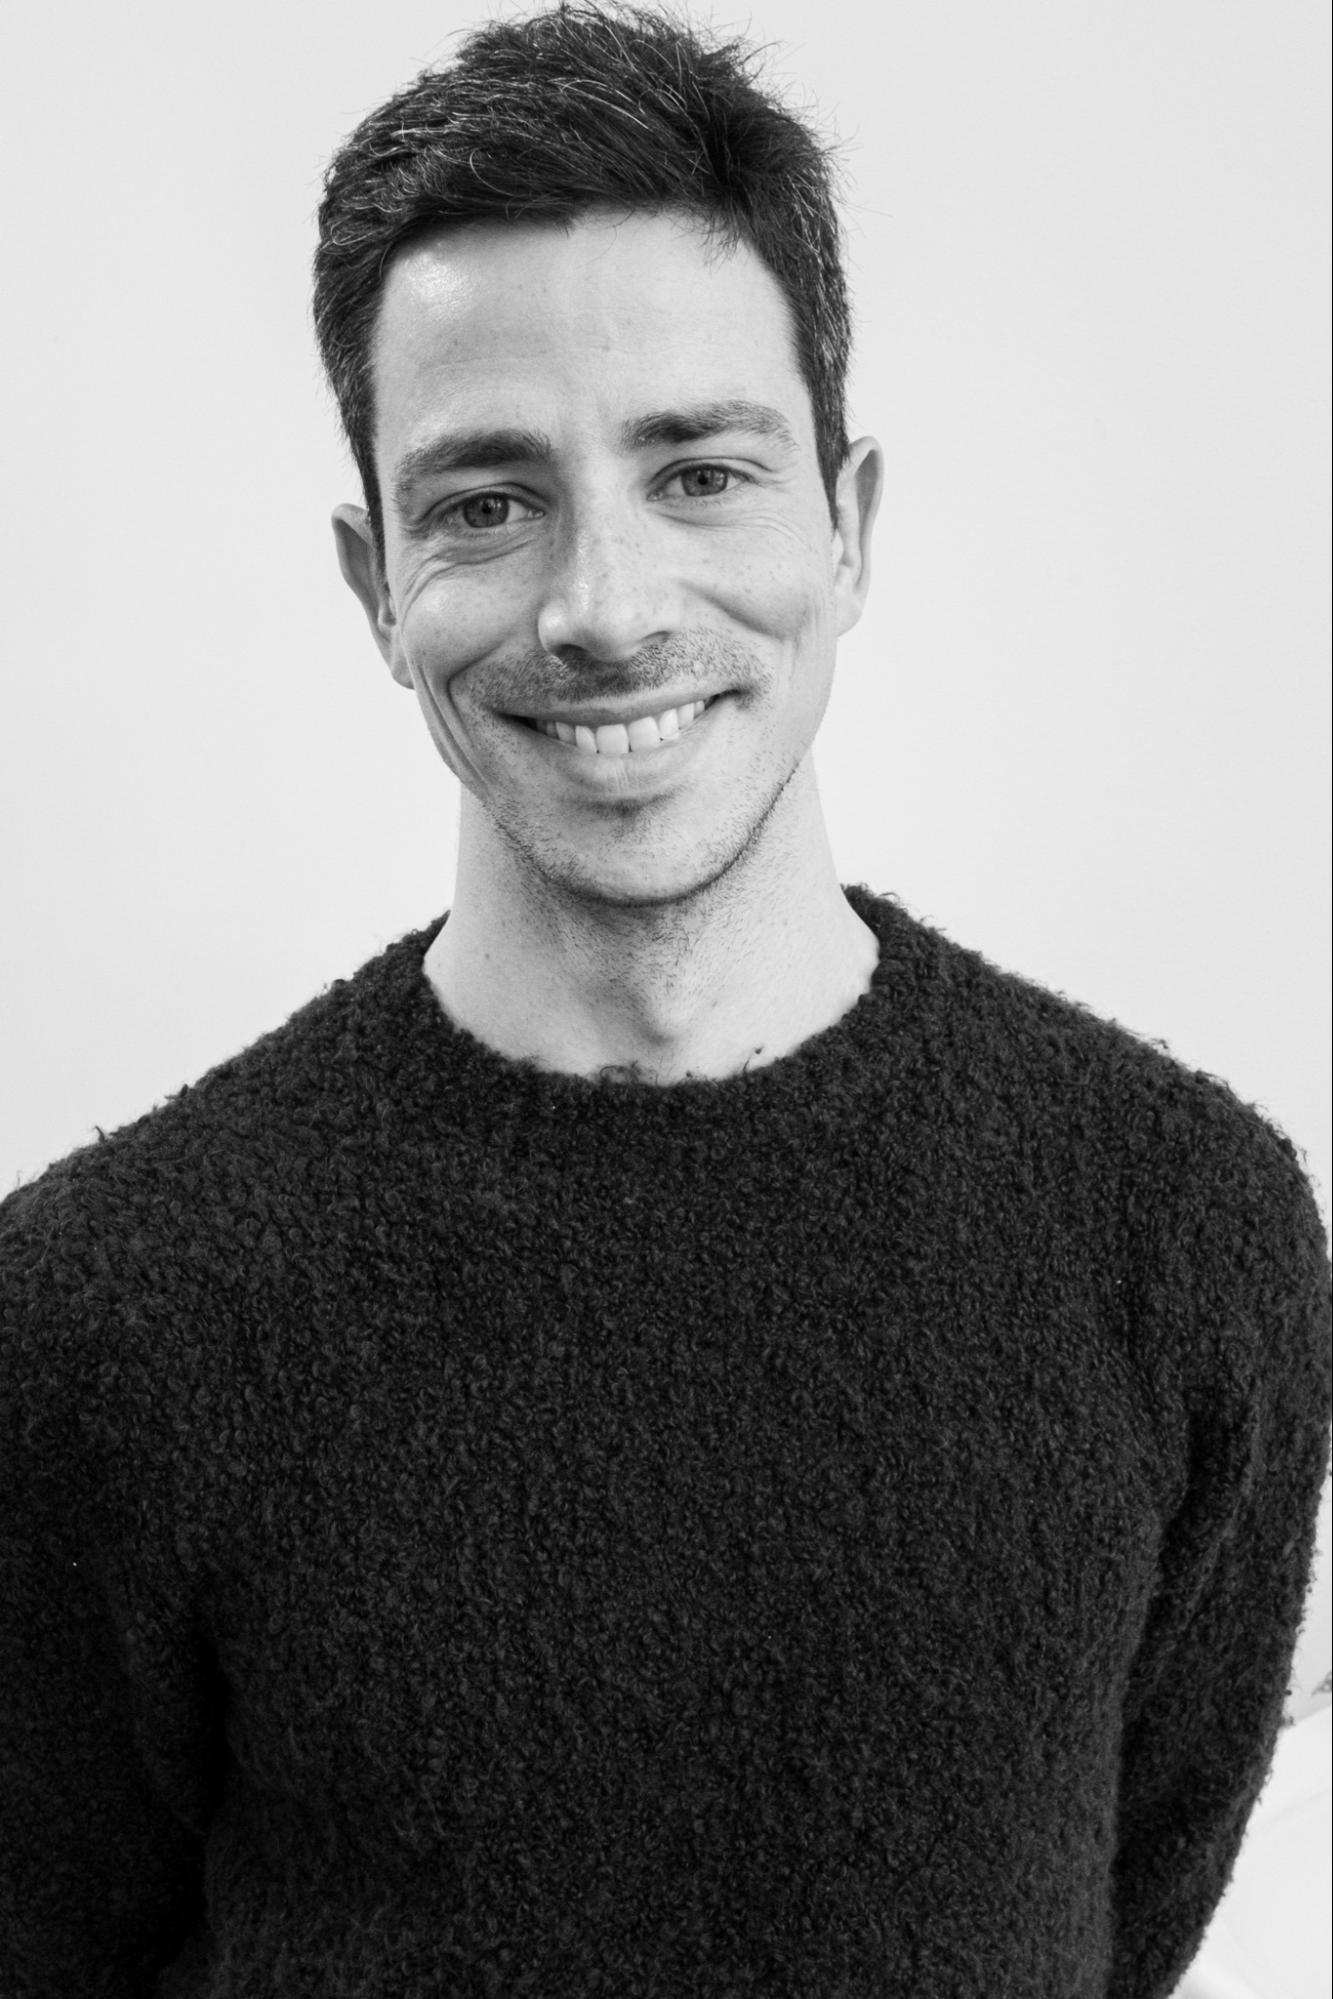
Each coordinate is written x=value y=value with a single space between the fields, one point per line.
x=860 y=487
x=363 y=572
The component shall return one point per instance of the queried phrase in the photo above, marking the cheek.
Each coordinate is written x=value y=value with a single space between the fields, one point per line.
x=785 y=598
x=445 y=630
x=776 y=578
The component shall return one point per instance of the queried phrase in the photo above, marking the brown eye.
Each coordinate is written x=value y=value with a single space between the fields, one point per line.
x=486 y=510
x=701 y=482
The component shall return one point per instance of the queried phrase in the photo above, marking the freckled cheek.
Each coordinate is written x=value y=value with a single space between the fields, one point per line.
x=446 y=632
x=784 y=600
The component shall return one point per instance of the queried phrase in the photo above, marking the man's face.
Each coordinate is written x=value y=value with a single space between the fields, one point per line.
x=603 y=508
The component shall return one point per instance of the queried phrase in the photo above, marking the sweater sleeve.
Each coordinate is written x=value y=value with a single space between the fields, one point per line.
x=1240 y=1373
x=106 y=1735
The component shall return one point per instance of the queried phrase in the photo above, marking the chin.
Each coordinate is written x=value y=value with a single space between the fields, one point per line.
x=646 y=873
x=645 y=889
x=647 y=882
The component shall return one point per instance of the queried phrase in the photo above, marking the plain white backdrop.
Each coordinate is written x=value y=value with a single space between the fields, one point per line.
x=1084 y=725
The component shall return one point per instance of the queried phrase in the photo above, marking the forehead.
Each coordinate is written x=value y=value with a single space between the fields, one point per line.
x=574 y=326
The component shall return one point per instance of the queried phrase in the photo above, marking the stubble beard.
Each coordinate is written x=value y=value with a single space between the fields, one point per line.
x=560 y=869
x=704 y=880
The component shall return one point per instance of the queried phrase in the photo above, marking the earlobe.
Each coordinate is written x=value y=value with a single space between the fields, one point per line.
x=363 y=573
x=860 y=486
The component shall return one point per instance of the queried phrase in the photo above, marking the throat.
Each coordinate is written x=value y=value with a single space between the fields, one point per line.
x=666 y=1003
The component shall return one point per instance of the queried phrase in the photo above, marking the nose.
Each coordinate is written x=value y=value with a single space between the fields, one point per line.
x=607 y=592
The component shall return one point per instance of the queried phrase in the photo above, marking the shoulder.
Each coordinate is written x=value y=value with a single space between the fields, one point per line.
x=1017 y=1036
x=185 y=1199
x=1027 y=1067
x=1187 y=1211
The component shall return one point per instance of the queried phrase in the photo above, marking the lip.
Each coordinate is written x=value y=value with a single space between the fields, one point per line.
x=602 y=715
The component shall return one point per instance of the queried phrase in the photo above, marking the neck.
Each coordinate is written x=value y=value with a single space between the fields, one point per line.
x=731 y=977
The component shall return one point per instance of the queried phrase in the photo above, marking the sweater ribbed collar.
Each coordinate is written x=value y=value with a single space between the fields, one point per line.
x=448 y=1066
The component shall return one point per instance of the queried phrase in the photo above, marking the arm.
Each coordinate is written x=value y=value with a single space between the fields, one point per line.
x=1243 y=1367
x=103 y=1689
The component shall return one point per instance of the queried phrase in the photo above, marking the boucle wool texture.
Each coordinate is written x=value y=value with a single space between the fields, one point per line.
x=837 y=1530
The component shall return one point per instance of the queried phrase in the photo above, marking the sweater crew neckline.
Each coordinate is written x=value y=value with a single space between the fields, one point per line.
x=507 y=1086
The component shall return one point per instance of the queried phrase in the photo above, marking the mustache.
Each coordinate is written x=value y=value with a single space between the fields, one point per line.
x=573 y=674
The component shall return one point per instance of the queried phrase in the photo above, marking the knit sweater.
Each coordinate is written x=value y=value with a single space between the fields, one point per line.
x=837 y=1531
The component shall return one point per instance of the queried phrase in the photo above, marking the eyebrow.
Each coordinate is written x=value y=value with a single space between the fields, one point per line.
x=485 y=450
x=707 y=420
x=478 y=450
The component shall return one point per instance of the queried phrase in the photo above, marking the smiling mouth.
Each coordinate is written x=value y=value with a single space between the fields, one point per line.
x=619 y=739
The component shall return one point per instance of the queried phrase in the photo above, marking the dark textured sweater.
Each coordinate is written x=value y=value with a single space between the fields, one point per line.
x=835 y=1532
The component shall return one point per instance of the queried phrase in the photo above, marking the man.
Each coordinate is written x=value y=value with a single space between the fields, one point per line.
x=679 y=1433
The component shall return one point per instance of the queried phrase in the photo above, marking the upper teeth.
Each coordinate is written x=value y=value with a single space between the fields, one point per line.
x=618 y=739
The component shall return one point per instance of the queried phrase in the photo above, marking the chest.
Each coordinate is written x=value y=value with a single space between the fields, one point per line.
x=560 y=1526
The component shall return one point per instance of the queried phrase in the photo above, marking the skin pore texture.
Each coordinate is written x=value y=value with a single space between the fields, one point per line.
x=602 y=503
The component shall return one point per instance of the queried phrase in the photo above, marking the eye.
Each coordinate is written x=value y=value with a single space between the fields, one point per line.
x=705 y=482
x=481 y=513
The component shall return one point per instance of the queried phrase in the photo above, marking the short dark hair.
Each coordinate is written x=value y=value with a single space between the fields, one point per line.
x=583 y=107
